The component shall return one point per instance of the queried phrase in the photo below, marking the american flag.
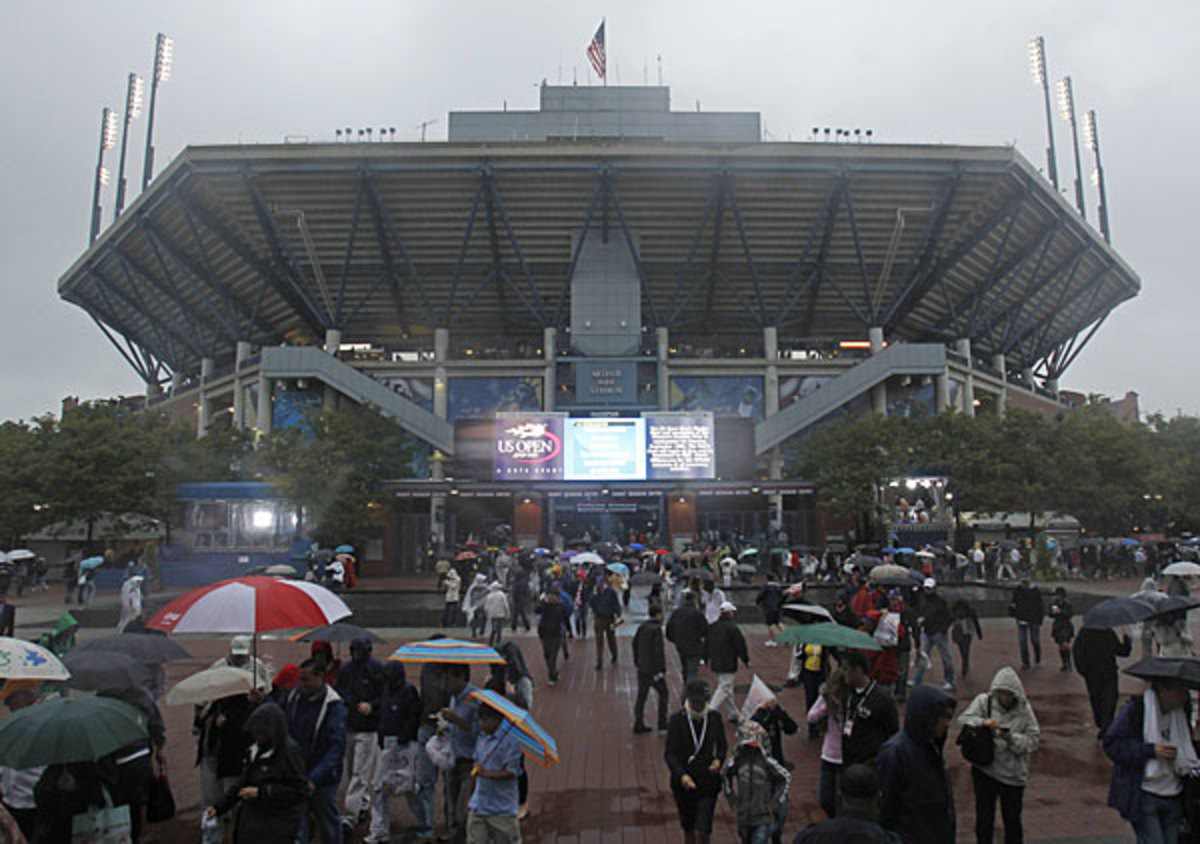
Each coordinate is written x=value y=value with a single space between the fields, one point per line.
x=595 y=52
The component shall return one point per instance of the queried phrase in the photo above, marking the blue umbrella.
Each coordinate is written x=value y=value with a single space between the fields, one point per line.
x=542 y=551
x=905 y=550
x=344 y=549
x=1128 y=542
x=91 y=563
x=619 y=568
x=637 y=546
x=535 y=742
x=888 y=550
x=450 y=651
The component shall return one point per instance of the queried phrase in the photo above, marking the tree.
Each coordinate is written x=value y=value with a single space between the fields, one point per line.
x=1174 y=471
x=21 y=505
x=1109 y=464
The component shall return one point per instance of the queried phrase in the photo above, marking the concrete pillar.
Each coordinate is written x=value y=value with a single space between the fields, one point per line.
x=153 y=388
x=878 y=392
x=875 y=336
x=662 y=336
x=441 y=344
x=206 y=368
x=333 y=340
x=1052 y=385
x=440 y=397
x=202 y=414
x=265 y=406
x=941 y=386
x=1001 y=365
x=242 y=352
x=550 y=378
x=963 y=347
x=770 y=342
x=771 y=379
x=1027 y=377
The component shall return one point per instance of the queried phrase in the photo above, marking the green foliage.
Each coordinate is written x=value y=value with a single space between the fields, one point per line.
x=20 y=505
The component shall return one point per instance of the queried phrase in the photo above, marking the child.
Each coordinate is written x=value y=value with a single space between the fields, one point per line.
x=1062 y=631
x=756 y=786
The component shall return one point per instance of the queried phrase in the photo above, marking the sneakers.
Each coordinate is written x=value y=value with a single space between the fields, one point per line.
x=640 y=728
x=770 y=643
x=948 y=686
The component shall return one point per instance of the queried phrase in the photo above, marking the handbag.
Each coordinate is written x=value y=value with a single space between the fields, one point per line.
x=160 y=802
x=978 y=743
x=105 y=824
x=399 y=766
x=439 y=751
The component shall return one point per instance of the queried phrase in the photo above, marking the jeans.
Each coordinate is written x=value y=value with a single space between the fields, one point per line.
x=605 y=630
x=551 y=645
x=760 y=834
x=459 y=787
x=1026 y=631
x=497 y=632
x=322 y=806
x=646 y=682
x=829 y=786
x=427 y=776
x=941 y=641
x=450 y=614
x=1158 y=822
x=987 y=791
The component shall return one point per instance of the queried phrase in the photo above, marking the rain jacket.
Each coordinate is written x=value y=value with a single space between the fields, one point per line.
x=916 y=800
x=755 y=785
x=495 y=605
x=319 y=728
x=276 y=769
x=726 y=645
x=61 y=639
x=687 y=629
x=400 y=706
x=1027 y=605
x=648 y=649
x=1016 y=743
x=361 y=681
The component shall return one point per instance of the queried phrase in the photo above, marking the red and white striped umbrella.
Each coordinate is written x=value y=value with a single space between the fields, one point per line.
x=250 y=605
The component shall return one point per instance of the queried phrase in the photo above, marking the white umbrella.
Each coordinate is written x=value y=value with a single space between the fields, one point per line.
x=21 y=660
x=588 y=558
x=211 y=684
x=1182 y=569
x=250 y=605
x=746 y=552
x=809 y=609
x=21 y=554
x=926 y=554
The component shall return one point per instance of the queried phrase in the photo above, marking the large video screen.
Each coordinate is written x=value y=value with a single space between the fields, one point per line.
x=655 y=447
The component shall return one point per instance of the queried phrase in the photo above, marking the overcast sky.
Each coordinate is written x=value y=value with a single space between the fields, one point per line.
x=255 y=71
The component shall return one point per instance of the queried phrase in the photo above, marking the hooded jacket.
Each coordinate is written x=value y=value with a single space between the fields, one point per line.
x=916 y=800
x=726 y=645
x=1027 y=605
x=1019 y=736
x=687 y=629
x=276 y=769
x=495 y=605
x=649 y=655
x=319 y=728
x=755 y=785
x=399 y=707
x=361 y=681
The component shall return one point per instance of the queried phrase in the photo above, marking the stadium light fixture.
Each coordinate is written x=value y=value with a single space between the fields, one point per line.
x=1091 y=136
x=164 y=56
x=135 y=93
x=1066 y=107
x=108 y=139
x=1037 y=68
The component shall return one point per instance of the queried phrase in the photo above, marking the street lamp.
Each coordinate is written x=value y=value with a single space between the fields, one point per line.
x=164 y=51
x=1091 y=137
x=135 y=91
x=1066 y=107
x=108 y=138
x=1037 y=67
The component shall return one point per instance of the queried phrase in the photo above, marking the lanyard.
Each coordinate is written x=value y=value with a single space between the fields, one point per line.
x=697 y=743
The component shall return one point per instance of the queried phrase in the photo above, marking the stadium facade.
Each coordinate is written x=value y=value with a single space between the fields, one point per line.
x=605 y=274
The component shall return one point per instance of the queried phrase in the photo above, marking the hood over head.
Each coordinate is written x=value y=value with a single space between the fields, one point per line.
x=267 y=725
x=1006 y=678
x=494 y=586
x=1148 y=585
x=360 y=648
x=394 y=675
x=925 y=704
x=287 y=677
x=64 y=623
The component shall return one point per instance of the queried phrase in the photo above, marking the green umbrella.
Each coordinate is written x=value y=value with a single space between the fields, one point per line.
x=830 y=634
x=73 y=729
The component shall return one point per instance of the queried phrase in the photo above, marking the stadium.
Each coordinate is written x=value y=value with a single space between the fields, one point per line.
x=602 y=316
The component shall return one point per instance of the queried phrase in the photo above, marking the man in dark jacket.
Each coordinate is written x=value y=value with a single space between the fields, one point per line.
x=399 y=722
x=1028 y=609
x=606 y=610
x=687 y=630
x=770 y=598
x=856 y=822
x=221 y=745
x=726 y=645
x=1095 y=653
x=520 y=597
x=935 y=622
x=870 y=716
x=316 y=717
x=650 y=660
x=360 y=684
x=966 y=627
x=917 y=801
x=553 y=618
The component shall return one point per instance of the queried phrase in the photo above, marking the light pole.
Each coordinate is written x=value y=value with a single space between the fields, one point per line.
x=134 y=92
x=108 y=138
x=164 y=48
x=1066 y=107
x=1037 y=67
x=1091 y=137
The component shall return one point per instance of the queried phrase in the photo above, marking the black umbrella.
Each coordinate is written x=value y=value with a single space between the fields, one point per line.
x=1115 y=612
x=703 y=574
x=865 y=561
x=1173 y=603
x=104 y=670
x=340 y=632
x=146 y=648
x=645 y=578
x=1183 y=669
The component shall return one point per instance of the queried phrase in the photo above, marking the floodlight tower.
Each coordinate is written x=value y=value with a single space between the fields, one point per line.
x=1066 y=106
x=135 y=91
x=1037 y=67
x=1091 y=137
x=108 y=139
x=164 y=49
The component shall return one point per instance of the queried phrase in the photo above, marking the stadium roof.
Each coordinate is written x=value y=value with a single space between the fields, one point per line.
x=278 y=243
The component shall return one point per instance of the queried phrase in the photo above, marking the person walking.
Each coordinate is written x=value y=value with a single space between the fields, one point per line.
x=520 y=598
x=360 y=684
x=462 y=715
x=70 y=575
x=493 y=806
x=399 y=722
x=495 y=608
x=606 y=612
x=553 y=618
x=453 y=586
x=713 y=597
x=316 y=719
x=964 y=629
x=695 y=750
x=1005 y=710
x=473 y=605
x=1150 y=745
x=756 y=786
x=869 y=715
x=726 y=646
x=934 y=620
x=687 y=630
x=1062 y=630
x=770 y=599
x=1028 y=609
x=649 y=658
x=858 y=819
x=917 y=802
x=1095 y=653
x=435 y=696
x=830 y=710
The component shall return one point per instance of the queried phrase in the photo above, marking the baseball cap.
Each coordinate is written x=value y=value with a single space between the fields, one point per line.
x=696 y=687
x=929 y=583
x=239 y=646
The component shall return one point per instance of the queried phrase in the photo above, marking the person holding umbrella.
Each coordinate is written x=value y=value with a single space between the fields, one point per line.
x=462 y=714
x=1095 y=652
x=17 y=784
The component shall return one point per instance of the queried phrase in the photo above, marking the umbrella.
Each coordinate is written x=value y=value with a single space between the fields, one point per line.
x=865 y=561
x=280 y=570
x=1182 y=569
x=1129 y=543
x=747 y=568
x=535 y=742
x=148 y=649
x=588 y=558
x=342 y=631
x=344 y=549
x=451 y=651
x=21 y=660
x=1115 y=612
x=91 y=563
x=95 y=670
x=211 y=684
x=887 y=550
x=645 y=578
x=929 y=555
x=542 y=551
x=1184 y=669
x=690 y=555
x=250 y=605
x=702 y=573
x=637 y=546
x=661 y=552
x=890 y=575
x=619 y=568
x=905 y=550
x=1174 y=603
x=466 y=555
x=746 y=552
x=73 y=729
x=807 y=612
x=830 y=634
x=21 y=554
